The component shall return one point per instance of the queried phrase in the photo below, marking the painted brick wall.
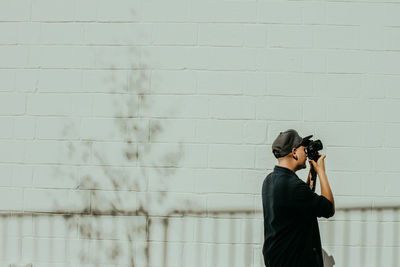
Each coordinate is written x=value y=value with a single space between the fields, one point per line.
x=154 y=108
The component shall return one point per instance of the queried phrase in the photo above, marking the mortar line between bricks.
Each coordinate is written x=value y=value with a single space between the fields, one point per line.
x=191 y=118
x=205 y=70
x=134 y=45
x=192 y=22
x=190 y=69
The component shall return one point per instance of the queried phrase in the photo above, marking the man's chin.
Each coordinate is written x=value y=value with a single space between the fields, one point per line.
x=300 y=167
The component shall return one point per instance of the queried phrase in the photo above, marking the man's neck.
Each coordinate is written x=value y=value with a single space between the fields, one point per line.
x=287 y=165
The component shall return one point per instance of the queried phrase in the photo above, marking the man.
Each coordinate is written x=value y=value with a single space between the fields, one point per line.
x=291 y=208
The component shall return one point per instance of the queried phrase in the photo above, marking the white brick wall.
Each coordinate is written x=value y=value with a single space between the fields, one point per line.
x=156 y=106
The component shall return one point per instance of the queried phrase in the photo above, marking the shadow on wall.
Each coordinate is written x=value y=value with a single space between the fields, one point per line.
x=113 y=176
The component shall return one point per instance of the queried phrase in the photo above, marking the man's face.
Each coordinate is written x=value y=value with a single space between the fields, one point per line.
x=301 y=154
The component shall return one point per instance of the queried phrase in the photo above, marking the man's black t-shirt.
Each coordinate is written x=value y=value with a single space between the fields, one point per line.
x=291 y=233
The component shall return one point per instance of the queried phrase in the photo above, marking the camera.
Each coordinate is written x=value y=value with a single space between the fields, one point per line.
x=312 y=148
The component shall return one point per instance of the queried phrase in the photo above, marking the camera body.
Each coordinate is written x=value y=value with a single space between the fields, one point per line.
x=312 y=148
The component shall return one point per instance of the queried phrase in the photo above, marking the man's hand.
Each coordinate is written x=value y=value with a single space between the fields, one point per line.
x=319 y=166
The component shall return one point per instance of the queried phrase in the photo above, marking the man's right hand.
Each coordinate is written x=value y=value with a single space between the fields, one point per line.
x=319 y=166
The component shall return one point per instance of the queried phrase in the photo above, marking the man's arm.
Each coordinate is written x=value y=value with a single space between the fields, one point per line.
x=326 y=191
x=308 y=203
x=309 y=179
x=325 y=188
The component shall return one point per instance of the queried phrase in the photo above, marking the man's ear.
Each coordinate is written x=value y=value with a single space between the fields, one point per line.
x=293 y=154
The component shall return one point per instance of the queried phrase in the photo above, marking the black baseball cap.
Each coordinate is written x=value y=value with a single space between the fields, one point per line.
x=286 y=141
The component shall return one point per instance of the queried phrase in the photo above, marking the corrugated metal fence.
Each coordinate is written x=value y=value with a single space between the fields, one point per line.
x=357 y=236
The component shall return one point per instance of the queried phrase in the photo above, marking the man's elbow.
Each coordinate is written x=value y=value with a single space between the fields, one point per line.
x=329 y=211
x=332 y=211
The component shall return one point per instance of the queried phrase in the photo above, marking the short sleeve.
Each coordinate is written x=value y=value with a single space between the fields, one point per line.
x=309 y=203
